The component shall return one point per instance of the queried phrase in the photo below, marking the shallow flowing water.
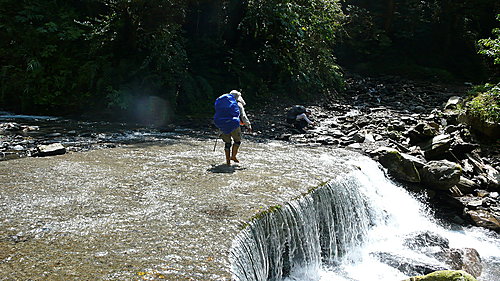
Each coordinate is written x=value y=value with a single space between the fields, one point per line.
x=170 y=209
x=167 y=210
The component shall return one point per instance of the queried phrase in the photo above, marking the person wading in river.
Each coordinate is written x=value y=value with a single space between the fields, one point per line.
x=229 y=117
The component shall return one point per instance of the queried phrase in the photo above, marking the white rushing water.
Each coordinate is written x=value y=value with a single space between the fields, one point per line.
x=350 y=219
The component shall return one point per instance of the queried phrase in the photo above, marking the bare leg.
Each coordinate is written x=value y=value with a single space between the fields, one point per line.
x=235 y=151
x=228 y=157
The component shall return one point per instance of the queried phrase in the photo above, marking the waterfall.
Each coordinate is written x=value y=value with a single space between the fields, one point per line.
x=332 y=232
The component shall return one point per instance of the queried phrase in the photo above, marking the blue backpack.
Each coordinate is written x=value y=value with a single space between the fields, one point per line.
x=227 y=113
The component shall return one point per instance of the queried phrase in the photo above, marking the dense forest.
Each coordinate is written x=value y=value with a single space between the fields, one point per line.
x=75 y=56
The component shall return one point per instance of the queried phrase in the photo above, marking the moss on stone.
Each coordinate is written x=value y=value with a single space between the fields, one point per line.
x=444 y=275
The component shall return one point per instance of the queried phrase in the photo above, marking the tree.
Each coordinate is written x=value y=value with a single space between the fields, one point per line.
x=76 y=55
x=290 y=44
x=424 y=39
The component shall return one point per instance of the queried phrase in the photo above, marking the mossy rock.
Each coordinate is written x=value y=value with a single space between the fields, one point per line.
x=401 y=166
x=444 y=275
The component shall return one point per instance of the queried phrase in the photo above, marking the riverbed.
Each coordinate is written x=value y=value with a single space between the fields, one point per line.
x=163 y=210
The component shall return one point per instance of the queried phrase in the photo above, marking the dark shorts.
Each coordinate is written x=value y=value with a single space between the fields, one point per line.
x=234 y=135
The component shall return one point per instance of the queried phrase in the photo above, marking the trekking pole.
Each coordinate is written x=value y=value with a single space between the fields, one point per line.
x=215 y=145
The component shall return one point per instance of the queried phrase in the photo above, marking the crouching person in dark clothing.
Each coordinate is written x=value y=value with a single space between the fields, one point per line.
x=298 y=117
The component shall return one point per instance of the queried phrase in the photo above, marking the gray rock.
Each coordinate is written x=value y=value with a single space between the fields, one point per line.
x=407 y=265
x=466 y=259
x=422 y=132
x=437 y=147
x=466 y=185
x=355 y=146
x=400 y=166
x=484 y=219
x=51 y=149
x=441 y=174
x=18 y=147
x=358 y=137
x=450 y=129
x=452 y=102
x=426 y=239
x=493 y=177
x=436 y=246
x=483 y=128
x=369 y=138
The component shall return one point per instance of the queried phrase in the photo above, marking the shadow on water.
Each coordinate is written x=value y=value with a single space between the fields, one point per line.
x=225 y=169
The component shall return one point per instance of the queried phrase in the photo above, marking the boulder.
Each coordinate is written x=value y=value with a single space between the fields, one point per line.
x=357 y=136
x=452 y=102
x=466 y=259
x=407 y=265
x=460 y=148
x=441 y=175
x=436 y=246
x=481 y=127
x=444 y=275
x=50 y=149
x=422 y=132
x=484 y=219
x=466 y=185
x=451 y=117
x=426 y=239
x=493 y=177
x=401 y=166
x=437 y=147
x=369 y=138
x=489 y=175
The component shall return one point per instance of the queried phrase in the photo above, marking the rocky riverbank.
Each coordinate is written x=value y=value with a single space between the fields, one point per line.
x=411 y=128
x=416 y=132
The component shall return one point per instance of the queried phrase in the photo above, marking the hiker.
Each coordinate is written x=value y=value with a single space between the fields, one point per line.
x=229 y=116
x=298 y=116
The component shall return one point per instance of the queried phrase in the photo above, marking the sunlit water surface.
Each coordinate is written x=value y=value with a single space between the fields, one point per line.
x=170 y=210
x=165 y=210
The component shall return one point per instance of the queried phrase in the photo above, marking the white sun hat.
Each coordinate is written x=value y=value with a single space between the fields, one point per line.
x=237 y=96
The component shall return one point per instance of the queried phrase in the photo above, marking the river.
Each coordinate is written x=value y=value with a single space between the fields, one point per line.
x=170 y=209
x=166 y=209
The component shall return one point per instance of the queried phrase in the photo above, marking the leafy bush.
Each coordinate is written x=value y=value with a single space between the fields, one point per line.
x=485 y=103
x=491 y=46
x=485 y=100
x=290 y=43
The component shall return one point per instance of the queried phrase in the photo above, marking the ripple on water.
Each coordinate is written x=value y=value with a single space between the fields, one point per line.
x=169 y=208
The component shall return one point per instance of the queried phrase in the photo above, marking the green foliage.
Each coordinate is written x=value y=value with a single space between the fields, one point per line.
x=484 y=100
x=290 y=44
x=40 y=44
x=63 y=57
x=491 y=46
x=484 y=103
x=429 y=34
x=69 y=55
